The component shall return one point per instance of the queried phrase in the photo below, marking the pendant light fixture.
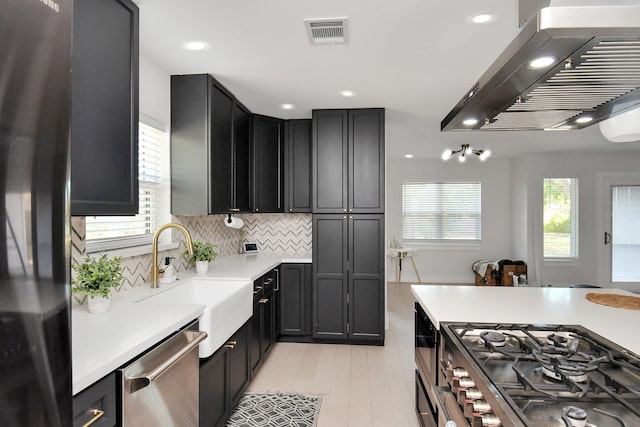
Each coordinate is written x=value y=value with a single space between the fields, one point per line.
x=465 y=151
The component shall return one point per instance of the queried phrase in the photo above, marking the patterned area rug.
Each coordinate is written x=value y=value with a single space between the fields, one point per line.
x=276 y=410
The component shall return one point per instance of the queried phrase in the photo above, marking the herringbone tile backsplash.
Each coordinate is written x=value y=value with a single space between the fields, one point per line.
x=274 y=233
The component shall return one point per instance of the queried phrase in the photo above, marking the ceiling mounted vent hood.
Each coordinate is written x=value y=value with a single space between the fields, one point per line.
x=594 y=72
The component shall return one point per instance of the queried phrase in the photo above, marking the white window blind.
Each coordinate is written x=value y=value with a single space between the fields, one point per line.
x=560 y=218
x=111 y=232
x=441 y=211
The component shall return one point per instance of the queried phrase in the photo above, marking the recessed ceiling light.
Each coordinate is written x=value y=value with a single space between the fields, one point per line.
x=347 y=93
x=287 y=106
x=409 y=156
x=470 y=122
x=481 y=18
x=584 y=119
x=542 y=62
x=195 y=45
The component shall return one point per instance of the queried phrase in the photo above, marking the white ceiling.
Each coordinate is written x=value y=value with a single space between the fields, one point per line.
x=416 y=58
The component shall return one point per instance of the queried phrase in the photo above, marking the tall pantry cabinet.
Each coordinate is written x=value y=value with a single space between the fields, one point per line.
x=348 y=225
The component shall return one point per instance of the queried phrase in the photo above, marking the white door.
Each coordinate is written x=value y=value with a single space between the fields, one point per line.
x=620 y=265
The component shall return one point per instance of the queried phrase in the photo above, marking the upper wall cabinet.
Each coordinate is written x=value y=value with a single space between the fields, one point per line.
x=298 y=166
x=104 y=113
x=348 y=161
x=268 y=164
x=210 y=148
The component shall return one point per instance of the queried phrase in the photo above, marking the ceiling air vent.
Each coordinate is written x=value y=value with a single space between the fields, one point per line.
x=326 y=31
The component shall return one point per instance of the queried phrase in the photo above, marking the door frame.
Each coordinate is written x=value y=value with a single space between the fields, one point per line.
x=603 y=193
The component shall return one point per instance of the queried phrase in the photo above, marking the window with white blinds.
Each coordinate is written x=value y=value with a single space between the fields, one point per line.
x=112 y=232
x=441 y=211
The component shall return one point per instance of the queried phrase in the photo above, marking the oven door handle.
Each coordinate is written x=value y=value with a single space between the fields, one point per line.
x=449 y=415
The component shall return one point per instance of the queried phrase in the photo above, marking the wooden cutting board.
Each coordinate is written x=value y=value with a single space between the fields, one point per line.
x=615 y=300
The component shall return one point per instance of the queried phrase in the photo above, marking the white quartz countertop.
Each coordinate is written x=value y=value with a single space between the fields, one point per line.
x=102 y=343
x=566 y=306
x=251 y=266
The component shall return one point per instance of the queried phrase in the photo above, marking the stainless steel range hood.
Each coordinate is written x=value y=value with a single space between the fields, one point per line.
x=595 y=73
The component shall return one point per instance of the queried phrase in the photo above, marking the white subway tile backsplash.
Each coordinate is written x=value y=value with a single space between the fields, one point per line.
x=282 y=233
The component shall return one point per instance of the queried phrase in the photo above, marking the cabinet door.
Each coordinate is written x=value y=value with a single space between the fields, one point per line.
x=214 y=386
x=104 y=108
x=268 y=164
x=239 y=368
x=329 y=166
x=255 y=350
x=221 y=169
x=190 y=115
x=298 y=166
x=102 y=396
x=242 y=158
x=330 y=276
x=292 y=299
x=366 y=277
x=268 y=322
x=366 y=161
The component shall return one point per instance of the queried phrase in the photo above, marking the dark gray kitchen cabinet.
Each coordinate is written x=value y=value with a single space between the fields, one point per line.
x=242 y=158
x=295 y=300
x=100 y=396
x=329 y=167
x=366 y=277
x=298 y=166
x=263 y=321
x=210 y=148
x=330 y=279
x=104 y=110
x=348 y=161
x=223 y=379
x=348 y=278
x=268 y=164
x=214 y=395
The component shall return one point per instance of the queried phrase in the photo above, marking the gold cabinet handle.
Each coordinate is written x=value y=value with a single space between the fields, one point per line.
x=263 y=300
x=97 y=414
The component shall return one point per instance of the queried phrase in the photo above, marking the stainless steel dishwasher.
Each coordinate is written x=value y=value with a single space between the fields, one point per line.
x=161 y=388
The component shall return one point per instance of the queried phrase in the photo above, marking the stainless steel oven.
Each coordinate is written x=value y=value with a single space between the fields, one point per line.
x=436 y=404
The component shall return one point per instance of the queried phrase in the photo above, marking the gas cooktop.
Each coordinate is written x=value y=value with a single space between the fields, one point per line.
x=551 y=375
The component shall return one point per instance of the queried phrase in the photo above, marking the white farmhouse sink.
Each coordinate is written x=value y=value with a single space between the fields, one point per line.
x=228 y=305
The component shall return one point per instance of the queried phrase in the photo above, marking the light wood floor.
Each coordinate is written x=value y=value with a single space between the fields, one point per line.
x=360 y=385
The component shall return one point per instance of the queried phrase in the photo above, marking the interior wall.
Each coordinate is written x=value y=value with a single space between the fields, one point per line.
x=528 y=174
x=155 y=91
x=511 y=214
x=451 y=263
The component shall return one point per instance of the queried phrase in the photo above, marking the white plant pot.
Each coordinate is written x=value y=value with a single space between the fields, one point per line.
x=202 y=267
x=98 y=305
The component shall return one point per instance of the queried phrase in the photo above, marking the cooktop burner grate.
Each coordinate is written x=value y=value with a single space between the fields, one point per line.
x=556 y=364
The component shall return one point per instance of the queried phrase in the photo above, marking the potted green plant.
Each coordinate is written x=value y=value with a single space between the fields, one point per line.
x=96 y=278
x=203 y=252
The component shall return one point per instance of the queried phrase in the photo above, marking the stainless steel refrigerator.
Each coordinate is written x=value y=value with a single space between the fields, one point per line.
x=35 y=88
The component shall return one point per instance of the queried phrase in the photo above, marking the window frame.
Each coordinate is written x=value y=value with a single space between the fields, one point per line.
x=574 y=226
x=459 y=244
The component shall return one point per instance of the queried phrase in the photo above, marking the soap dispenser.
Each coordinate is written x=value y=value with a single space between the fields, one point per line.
x=167 y=274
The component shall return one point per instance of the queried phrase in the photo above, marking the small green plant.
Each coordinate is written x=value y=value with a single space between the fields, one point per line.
x=202 y=251
x=96 y=277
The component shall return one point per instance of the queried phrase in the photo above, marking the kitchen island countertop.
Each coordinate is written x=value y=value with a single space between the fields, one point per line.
x=497 y=304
